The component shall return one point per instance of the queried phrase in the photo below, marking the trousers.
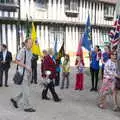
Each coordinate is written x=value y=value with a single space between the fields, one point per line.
x=1 y=77
x=50 y=87
x=24 y=95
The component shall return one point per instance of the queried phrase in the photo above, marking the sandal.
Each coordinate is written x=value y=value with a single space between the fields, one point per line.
x=101 y=106
x=116 y=109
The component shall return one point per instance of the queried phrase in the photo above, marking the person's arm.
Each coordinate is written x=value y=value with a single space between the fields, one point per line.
x=102 y=59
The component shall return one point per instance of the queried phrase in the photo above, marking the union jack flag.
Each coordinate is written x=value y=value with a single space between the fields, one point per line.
x=114 y=34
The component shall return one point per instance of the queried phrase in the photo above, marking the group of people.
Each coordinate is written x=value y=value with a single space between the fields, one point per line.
x=109 y=72
x=50 y=73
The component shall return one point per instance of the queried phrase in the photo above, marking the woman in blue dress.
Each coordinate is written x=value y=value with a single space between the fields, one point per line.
x=95 y=56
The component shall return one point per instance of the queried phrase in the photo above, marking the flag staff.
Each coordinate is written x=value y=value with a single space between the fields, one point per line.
x=118 y=46
x=18 y=27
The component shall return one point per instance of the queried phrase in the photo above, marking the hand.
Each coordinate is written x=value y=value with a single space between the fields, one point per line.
x=115 y=75
x=3 y=62
x=28 y=68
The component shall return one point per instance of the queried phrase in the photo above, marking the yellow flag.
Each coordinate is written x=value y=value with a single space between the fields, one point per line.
x=35 y=47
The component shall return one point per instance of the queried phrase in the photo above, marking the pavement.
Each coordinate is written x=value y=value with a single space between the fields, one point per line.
x=75 y=105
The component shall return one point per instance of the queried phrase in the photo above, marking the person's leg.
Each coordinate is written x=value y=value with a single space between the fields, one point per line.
x=102 y=73
x=92 y=78
x=26 y=93
x=115 y=101
x=77 y=85
x=63 y=80
x=1 y=78
x=16 y=100
x=35 y=74
x=102 y=101
x=54 y=94
x=57 y=78
x=96 y=79
x=44 y=92
x=32 y=74
x=6 y=78
x=67 y=77
x=81 y=81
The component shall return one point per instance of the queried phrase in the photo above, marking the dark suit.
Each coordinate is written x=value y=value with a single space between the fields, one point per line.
x=34 y=68
x=5 y=66
x=49 y=64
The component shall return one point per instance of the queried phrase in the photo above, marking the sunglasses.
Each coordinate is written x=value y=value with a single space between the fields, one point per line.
x=114 y=54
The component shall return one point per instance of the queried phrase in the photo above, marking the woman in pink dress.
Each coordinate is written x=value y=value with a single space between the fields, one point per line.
x=108 y=85
x=79 y=75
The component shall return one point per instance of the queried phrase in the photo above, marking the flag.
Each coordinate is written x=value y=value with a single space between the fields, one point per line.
x=79 y=50
x=114 y=34
x=28 y=27
x=55 y=48
x=61 y=52
x=35 y=47
x=87 y=36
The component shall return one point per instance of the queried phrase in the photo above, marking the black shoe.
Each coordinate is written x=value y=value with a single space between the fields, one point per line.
x=58 y=100
x=95 y=89
x=30 y=110
x=6 y=86
x=0 y=85
x=14 y=103
x=92 y=89
x=35 y=82
x=45 y=98
x=31 y=81
x=62 y=88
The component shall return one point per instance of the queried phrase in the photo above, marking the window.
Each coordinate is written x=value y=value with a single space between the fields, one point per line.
x=71 y=5
x=71 y=8
x=41 y=3
x=8 y=5
x=56 y=33
x=6 y=1
x=109 y=11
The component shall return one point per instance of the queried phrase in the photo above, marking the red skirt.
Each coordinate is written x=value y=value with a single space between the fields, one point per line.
x=79 y=81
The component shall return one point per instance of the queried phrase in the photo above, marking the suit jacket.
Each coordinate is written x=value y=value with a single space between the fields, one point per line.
x=8 y=59
x=34 y=60
x=49 y=64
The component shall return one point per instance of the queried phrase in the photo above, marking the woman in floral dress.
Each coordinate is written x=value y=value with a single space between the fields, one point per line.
x=108 y=85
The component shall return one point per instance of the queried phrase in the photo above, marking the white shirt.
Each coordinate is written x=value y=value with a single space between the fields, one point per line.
x=4 y=55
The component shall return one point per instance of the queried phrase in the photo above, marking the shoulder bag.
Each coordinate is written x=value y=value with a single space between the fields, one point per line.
x=18 y=78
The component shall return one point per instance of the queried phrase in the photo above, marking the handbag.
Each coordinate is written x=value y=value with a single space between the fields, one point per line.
x=18 y=78
x=117 y=83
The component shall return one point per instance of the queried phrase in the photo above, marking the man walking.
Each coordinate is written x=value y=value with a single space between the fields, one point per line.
x=5 y=60
x=49 y=64
x=24 y=55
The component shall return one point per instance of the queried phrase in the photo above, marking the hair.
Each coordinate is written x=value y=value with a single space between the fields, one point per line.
x=66 y=60
x=50 y=50
x=23 y=43
x=26 y=40
x=97 y=47
x=112 y=53
x=67 y=57
x=4 y=46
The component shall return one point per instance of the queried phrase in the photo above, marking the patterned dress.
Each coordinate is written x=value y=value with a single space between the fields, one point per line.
x=108 y=84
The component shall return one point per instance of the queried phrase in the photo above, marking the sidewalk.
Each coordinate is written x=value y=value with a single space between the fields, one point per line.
x=75 y=105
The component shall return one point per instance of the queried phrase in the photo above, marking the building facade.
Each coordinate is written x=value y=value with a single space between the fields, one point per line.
x=61 y=20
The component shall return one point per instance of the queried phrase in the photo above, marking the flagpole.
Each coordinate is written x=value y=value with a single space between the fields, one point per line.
x=118 y=46
x=18 y=28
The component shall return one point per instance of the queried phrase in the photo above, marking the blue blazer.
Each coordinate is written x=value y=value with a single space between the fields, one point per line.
x=8 y=59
